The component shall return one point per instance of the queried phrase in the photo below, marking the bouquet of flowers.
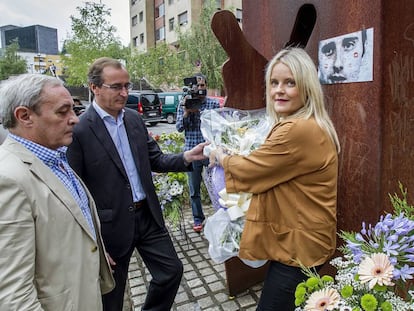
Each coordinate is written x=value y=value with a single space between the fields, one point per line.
x=171 y=187
x=376 y=271
x=237 y=132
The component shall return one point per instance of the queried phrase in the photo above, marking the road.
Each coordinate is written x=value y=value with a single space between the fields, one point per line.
x=162 y=127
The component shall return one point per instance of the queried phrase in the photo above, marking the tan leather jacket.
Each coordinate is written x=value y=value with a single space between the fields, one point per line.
x=293 y=178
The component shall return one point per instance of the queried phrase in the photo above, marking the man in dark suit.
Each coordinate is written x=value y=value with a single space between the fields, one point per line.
x=114 y=155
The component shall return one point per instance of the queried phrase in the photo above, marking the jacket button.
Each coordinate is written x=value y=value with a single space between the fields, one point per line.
x=94 y=249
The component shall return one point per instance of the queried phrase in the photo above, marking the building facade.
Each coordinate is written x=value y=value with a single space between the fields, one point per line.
x=38 y=46
x=156 y=21
x=34 y=39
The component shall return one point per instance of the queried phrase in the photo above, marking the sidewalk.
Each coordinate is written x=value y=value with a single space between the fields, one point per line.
x=203 y=286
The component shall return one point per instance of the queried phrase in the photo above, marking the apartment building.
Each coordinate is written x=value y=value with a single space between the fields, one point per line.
x=154 y=21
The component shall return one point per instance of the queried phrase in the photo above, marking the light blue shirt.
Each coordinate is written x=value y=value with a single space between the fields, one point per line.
x=116 y=128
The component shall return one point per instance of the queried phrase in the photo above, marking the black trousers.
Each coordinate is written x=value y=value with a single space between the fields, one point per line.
x=157 y=251
x=279 y=287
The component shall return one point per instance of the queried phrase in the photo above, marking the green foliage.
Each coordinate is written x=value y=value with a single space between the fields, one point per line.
x=166 y=67
x=172 y=188
x=201 y=45
x=11 y=63
x=161 y=65
x=93 y=37
x=401 y=205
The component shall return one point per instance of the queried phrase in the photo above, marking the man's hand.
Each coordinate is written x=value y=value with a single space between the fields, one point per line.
x=111 y=261
x=196 y=153
x=186 y=110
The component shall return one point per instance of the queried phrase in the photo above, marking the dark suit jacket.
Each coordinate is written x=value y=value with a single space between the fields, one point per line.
x=95 y=159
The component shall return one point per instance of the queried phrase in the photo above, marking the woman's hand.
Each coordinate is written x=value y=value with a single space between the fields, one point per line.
x=216 y=157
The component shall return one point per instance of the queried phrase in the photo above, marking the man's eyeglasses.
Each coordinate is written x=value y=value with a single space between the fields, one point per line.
x=201 y=85
x=118 y=87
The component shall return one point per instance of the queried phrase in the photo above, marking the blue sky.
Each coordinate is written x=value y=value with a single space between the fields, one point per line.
x=56 y=14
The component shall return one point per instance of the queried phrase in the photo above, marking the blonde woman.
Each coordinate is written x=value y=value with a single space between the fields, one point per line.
x=291 y=220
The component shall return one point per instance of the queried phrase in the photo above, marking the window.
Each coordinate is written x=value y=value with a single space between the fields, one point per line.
x=141 y=38
x=160 y=10
x=160 y=34
x=135 y=41
x=239 y=14
x=183 y=19
x=134 y=20
x=141 y=16
x=133 y=2
x=218 y=4
x=170 y=2
x=171 y=24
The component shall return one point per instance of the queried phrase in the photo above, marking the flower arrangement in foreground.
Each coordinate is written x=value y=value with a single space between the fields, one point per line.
x=376 y=271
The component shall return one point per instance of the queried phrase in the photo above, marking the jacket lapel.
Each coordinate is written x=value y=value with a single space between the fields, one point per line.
x=45 y=174
x=99 y=130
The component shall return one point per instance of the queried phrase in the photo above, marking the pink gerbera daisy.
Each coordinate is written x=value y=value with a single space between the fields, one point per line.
x=376 y=269
x=321 y=300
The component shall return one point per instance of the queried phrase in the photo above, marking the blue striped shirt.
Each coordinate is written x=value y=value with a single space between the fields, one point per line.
x=116 y=128
x=55 y=159
x=191 y=124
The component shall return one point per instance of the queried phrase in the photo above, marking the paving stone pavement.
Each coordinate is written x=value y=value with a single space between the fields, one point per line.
x=203 y=286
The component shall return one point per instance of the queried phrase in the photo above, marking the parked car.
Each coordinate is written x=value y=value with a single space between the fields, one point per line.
x=147 y=104
x=78 y=106
x=170 y=102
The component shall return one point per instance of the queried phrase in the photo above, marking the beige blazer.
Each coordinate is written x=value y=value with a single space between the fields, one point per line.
x=49 y=259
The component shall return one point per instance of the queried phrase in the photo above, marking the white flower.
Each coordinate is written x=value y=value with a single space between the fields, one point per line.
x=321 y=300
x=376 y=269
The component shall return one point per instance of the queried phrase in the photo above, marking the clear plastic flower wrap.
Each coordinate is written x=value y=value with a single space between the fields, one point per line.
x=236 y=132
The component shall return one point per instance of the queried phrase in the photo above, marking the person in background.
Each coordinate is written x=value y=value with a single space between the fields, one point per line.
x=115 y=156
x=293 y=176
x=52 y=254
x=188 y=120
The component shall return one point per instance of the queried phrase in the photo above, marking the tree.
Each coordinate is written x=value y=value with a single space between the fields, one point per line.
x=202 y=47
x=93 y=37
x=161 y=65
x=11 y=63
x=166 y=66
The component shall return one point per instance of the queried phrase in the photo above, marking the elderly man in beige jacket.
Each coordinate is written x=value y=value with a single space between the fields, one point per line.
x=52 y=254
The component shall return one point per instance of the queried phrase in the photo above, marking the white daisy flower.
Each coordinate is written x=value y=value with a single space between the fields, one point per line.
x=376 y=269
x=322 y=300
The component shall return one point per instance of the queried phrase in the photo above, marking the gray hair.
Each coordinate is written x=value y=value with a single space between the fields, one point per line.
x=22 y=90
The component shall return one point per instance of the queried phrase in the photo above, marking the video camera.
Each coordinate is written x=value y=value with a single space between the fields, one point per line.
x=192 y=93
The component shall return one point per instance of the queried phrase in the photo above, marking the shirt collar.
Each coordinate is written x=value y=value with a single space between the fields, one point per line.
x=48 y=156
x=104 y=115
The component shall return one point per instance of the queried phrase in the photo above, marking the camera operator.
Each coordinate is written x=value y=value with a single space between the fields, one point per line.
x=188 y=120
